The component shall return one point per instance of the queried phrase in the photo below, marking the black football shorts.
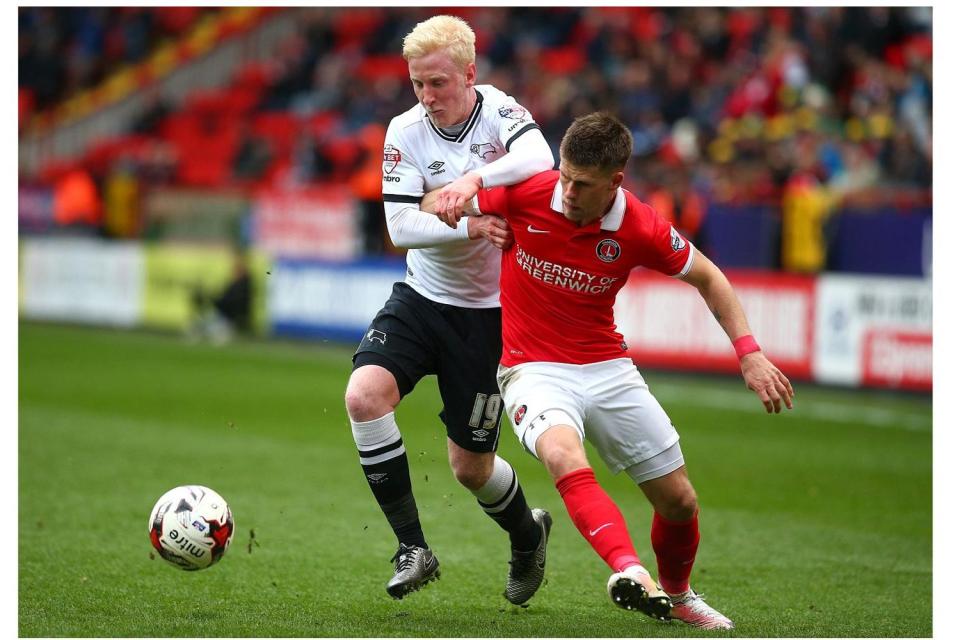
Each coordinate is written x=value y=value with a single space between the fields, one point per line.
x=413 y=336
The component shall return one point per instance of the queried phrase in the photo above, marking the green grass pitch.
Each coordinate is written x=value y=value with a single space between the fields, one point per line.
x=817 y=523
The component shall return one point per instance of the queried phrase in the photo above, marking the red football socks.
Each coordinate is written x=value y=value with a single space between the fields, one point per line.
x=597 y=518
x=675 y=543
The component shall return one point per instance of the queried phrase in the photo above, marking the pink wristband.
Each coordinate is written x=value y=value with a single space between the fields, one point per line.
x=744 y=345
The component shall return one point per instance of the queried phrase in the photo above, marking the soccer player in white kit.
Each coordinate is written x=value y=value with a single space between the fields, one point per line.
x=564 y=374
x=444 y=319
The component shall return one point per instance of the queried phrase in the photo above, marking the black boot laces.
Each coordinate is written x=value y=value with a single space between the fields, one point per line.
x=404 y=558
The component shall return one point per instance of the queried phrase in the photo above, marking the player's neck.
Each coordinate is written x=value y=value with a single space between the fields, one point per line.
x=585 y=221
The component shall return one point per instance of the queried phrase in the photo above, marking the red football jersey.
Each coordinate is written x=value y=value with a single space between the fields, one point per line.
x=558 y=281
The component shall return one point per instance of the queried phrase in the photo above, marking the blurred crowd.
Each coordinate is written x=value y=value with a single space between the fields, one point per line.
x=727 y=105
x=66 y=49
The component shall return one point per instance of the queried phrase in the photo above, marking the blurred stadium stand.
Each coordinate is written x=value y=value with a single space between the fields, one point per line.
x=784 y=139
x=728 y=106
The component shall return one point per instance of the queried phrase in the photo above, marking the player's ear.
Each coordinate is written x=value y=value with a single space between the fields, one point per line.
x=617 y=179
x=471 y=74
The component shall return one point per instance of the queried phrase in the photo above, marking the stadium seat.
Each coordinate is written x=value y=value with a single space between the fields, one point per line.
x=562 y=60
x=280 y=128
x=375 y=67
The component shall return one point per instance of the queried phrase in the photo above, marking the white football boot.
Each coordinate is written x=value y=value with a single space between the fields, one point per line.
x=690 y=608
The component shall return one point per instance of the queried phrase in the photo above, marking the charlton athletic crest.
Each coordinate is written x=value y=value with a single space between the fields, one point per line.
x=391 y=158
x=608 y=250
x=518 y=415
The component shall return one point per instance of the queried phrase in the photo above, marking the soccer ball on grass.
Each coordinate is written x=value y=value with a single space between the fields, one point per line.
x=191 y=527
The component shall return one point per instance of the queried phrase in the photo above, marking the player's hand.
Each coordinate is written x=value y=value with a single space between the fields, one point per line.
x=493 y=228
x=455 y=197
x=764 y=379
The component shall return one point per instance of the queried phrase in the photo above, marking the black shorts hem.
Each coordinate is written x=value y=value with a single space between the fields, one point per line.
x=460 y=439
x=362 y=358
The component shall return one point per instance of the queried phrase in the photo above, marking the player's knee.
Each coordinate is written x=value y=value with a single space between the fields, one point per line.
x=369 y=397
x=471 y=471
x=561 y=455
x=680 y=505
x=471 y=478
x=357 y=404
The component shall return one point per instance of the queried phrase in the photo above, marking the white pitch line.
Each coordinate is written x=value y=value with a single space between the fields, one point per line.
x=747 y=402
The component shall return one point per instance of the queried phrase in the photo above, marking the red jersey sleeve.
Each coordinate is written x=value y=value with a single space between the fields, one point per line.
x=494 y=201
x=664 y=249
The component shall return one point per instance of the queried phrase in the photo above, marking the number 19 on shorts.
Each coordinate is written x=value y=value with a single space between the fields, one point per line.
x=487 y=408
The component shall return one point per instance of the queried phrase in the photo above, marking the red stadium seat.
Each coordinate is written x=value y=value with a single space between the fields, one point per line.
x=253 y=76
x=324 y=123
x=279 y=128
x=563 y=60
x=374 y=67
x=356 y=26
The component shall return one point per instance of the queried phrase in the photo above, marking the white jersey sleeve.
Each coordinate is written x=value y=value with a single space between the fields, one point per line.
x=410 y=228
x=402 y=177
x=529 y=155
x=403 y=188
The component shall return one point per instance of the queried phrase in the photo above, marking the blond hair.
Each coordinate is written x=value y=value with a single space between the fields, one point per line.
x=442 y=32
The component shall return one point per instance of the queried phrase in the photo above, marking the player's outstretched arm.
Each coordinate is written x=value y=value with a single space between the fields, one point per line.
x=492 y=228
x=452 y=199
x=761 y=376
x=527 y=156
x=431 y=204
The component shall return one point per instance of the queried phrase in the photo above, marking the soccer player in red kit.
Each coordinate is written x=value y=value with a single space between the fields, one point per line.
x=564 y=374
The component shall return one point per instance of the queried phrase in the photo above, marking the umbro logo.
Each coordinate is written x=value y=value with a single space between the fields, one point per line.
x=436 y=168
x=481 y=433
x=377 y=478
x=532 y=229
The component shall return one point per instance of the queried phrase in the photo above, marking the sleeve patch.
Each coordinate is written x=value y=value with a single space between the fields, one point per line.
x=676 y=240
x=391 y=158
x=513 y=112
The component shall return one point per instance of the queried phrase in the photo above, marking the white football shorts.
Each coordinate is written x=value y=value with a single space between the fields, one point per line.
x=608 y=403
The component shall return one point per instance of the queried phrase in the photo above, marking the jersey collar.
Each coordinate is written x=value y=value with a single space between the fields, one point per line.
x=609 y=222
x=471 y=122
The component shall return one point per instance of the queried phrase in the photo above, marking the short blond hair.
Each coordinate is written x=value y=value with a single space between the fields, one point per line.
x=442 y=32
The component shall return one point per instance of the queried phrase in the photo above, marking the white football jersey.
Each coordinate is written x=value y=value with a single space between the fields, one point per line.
x=418 y=158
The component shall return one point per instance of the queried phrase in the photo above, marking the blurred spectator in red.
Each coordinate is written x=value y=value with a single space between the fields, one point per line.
x=680 y=205
x=366 y=186
x=25 y=106
x=76 y=203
